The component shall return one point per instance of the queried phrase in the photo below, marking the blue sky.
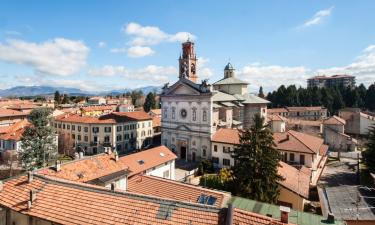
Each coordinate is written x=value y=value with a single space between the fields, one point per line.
x=104 y=45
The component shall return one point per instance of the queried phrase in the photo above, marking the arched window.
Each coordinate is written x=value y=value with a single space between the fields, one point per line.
x=194 y=114
x=204 y=115
x=204 y=151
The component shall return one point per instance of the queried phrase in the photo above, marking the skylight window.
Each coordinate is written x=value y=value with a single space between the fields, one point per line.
x=206 y=200
x=141 y=162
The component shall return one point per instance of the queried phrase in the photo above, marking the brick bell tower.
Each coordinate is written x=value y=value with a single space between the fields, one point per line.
x=188 y=62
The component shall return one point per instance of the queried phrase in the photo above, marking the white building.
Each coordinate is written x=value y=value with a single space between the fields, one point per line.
x=192 y=112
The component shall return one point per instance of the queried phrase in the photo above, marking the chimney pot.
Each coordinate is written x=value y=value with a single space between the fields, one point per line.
x=30 y=177
x=284 y=214
x=29 y=204
x=330 y=218
x=1 y=186
x=80 y=155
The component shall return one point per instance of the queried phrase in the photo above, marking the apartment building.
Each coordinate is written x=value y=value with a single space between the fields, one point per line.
x=9 y=116
x=357 y=122
x=304 y=113
x=121 y=131
x=332 y=81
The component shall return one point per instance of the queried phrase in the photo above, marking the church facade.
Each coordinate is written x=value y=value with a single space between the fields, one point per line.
x=192 y=112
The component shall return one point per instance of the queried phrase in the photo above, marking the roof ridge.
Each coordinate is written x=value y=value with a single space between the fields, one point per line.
x=100 y=189
x=289 y=131
x=185 y=184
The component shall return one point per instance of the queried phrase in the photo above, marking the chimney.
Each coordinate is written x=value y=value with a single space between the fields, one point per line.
x=330 y=218
x=1 y=186
x=109 y=151
x=229 y=218
x=76 y=155
x=80 y=155
x=29 y=177
x=32 y=195
x=57 y=166
x=284 y=214
x=112 y=186
x=116 y=156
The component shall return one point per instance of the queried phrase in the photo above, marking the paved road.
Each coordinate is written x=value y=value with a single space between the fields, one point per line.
x=339 y=173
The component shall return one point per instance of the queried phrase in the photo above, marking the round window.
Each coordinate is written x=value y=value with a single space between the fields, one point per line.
x=183 y=113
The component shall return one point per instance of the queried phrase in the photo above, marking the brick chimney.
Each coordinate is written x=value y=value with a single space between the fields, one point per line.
x=284 y=214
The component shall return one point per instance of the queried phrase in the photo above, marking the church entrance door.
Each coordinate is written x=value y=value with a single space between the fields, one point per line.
x=183 y=152
x=193 y=157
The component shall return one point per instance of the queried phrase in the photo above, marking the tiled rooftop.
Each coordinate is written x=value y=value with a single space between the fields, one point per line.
x=94 y=167
x=297 y=181
x=74 y=203
x=226 y=135
x=298 y=142
x=112 y=118
x=15 y=131
x=165 y=188
x=11 y=113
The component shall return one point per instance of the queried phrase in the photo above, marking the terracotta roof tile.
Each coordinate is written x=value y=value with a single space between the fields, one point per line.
x=226 y=135
x=11 y=113
x=297 y=181
x=74 y=203
x=165 y=188
x=156 y=121
x=241 y=217
x=91 y=168
x=96 y=108
x=276 y=117
x=15 y=131
x=335 y=120
x=277 y=110
x=297 y=142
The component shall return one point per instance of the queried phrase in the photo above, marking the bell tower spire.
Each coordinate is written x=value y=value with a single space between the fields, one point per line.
x=188 y=61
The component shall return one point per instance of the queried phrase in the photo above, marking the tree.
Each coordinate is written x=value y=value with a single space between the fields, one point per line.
x=65 y=99
x=261 y=94
x=150 y=102
x=256 y=170
x=38 y=141
x=370 y=96
x=57 y=98
x=369 y=153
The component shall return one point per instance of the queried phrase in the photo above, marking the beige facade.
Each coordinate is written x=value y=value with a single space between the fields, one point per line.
x=93 y=137
x=291 y=199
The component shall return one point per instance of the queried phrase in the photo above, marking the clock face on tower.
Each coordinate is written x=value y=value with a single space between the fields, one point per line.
x=183 y=113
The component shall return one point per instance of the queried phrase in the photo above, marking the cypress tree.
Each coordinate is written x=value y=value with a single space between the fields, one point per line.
x=150 y=102
x=256 y=168
x=261 y=94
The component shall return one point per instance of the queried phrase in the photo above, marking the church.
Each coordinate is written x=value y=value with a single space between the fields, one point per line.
x=193 y=111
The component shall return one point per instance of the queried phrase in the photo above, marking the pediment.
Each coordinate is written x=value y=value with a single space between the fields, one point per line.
x=182 y=89
x=183 y=127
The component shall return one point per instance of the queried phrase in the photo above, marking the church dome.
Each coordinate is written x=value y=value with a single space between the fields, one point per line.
x=228 y=67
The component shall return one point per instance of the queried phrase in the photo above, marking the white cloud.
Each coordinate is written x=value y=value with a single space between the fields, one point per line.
x=139 y=51
x=363 y=67
x=151 y=73
x=151 y=35
x=272 y=76
x=102 y=44
x=204 y=72
x=57 y=57
x=13 y=33
x=318 y=17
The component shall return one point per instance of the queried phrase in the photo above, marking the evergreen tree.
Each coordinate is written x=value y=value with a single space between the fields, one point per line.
x=370 y=97
x=257 y=160
x=338 y=102
x=65 y=99
x=369 y=154
x=150 y=102
x=38 y=141
x=261 y=94
x=362 y=95
x=316 y=97
x=57 y=98
x=327 y=99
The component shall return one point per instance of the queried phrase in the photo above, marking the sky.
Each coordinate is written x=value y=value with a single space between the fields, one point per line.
x=108 y=45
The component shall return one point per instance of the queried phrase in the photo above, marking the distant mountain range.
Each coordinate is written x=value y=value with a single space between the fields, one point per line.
x=20 y=91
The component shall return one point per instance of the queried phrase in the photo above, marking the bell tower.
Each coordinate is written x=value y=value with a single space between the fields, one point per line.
x=188 y=62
